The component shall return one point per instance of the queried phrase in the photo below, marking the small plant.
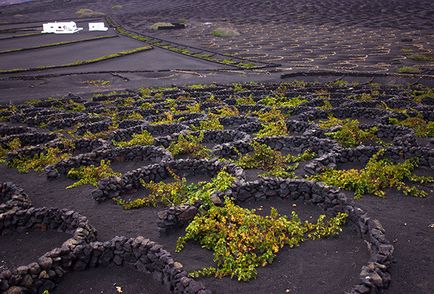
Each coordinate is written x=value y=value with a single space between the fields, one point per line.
x=168 y=118
x=326 y=105
x=282 y=101
x=243 y=241
x=427 y=57
x=86 y=12
x=237 y=87
x=361 y=97
x=90 y=175
x=39 y=161
x=274 y=123
x=179 y=191
x=211 y=123
x=142 y=139
x=245 y=100
x=421 y=127
x=134 y=116
x=97 y=83
x=272 y=161
x=349 y=133
x=227 y=111
x=189 y=144
x=222 y=32
x=162 y=25
x=420 y=95
x=408 y=70
x=13 y=145
x=376 y=176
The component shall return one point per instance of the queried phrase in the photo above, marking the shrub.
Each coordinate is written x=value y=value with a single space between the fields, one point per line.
x=189 y=144
x=243 y=241
x=408 y=69
x=143 y=139
x=211 y=123
x=377 y=175
x=223 y=32
x=39 y=161
x=272 y=161
x=13 y=145
x=349 y=133
x=86 y=12
x=421 y=127
x=90 y=175
x=179 y=191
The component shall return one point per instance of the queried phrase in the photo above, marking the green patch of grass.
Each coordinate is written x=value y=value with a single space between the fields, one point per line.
x=422 y=57
x=97 y=83
x=79 y=62
x=86 y=12
x=408 y=69
x=159 y=25
x=224 y=32
x=56 y=44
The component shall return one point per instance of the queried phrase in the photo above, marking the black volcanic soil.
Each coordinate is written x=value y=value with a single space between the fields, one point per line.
x=21 y=248
x=316 y=260
x=106 y=279
x=67 y=54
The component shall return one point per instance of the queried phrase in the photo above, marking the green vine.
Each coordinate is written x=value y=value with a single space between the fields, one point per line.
x=13 y=145
x=189 y=144
x=243 y=241
x=90 y=175
x=39 y=161
x=349 y=133
x=179 y=191
x=142 y=139
x=421 y=127
x=272 y=161
x=376 y=176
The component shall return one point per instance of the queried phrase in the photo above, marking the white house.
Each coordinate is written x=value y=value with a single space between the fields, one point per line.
x=97 y=26
x=69 y=27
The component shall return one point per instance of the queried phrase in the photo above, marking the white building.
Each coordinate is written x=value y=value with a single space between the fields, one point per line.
x=97 y=26
x=69 y=27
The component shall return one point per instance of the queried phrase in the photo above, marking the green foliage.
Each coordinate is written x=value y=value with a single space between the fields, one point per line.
x=237 y=87
x=167 y=119
x=361 y=97
x=39 y=161
x=272 y=129
x=189 y=144
x=272 y=161
x=408 y=69
x=245 y=100
x=159 y=25
x=282 y=101
x=179 y=191
x=86 y=12
x=420 y=95
x=90 y=175
x=13 y=145
x=376 y=176
x=422 y=57
x=134 y=116
x=349 y=133
x=143 y=139
x=326 y=105
x=225 y=32
x=421 y=127
x=79 y=62
x=227 y=111
x=243 y=241
x=211 y=123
